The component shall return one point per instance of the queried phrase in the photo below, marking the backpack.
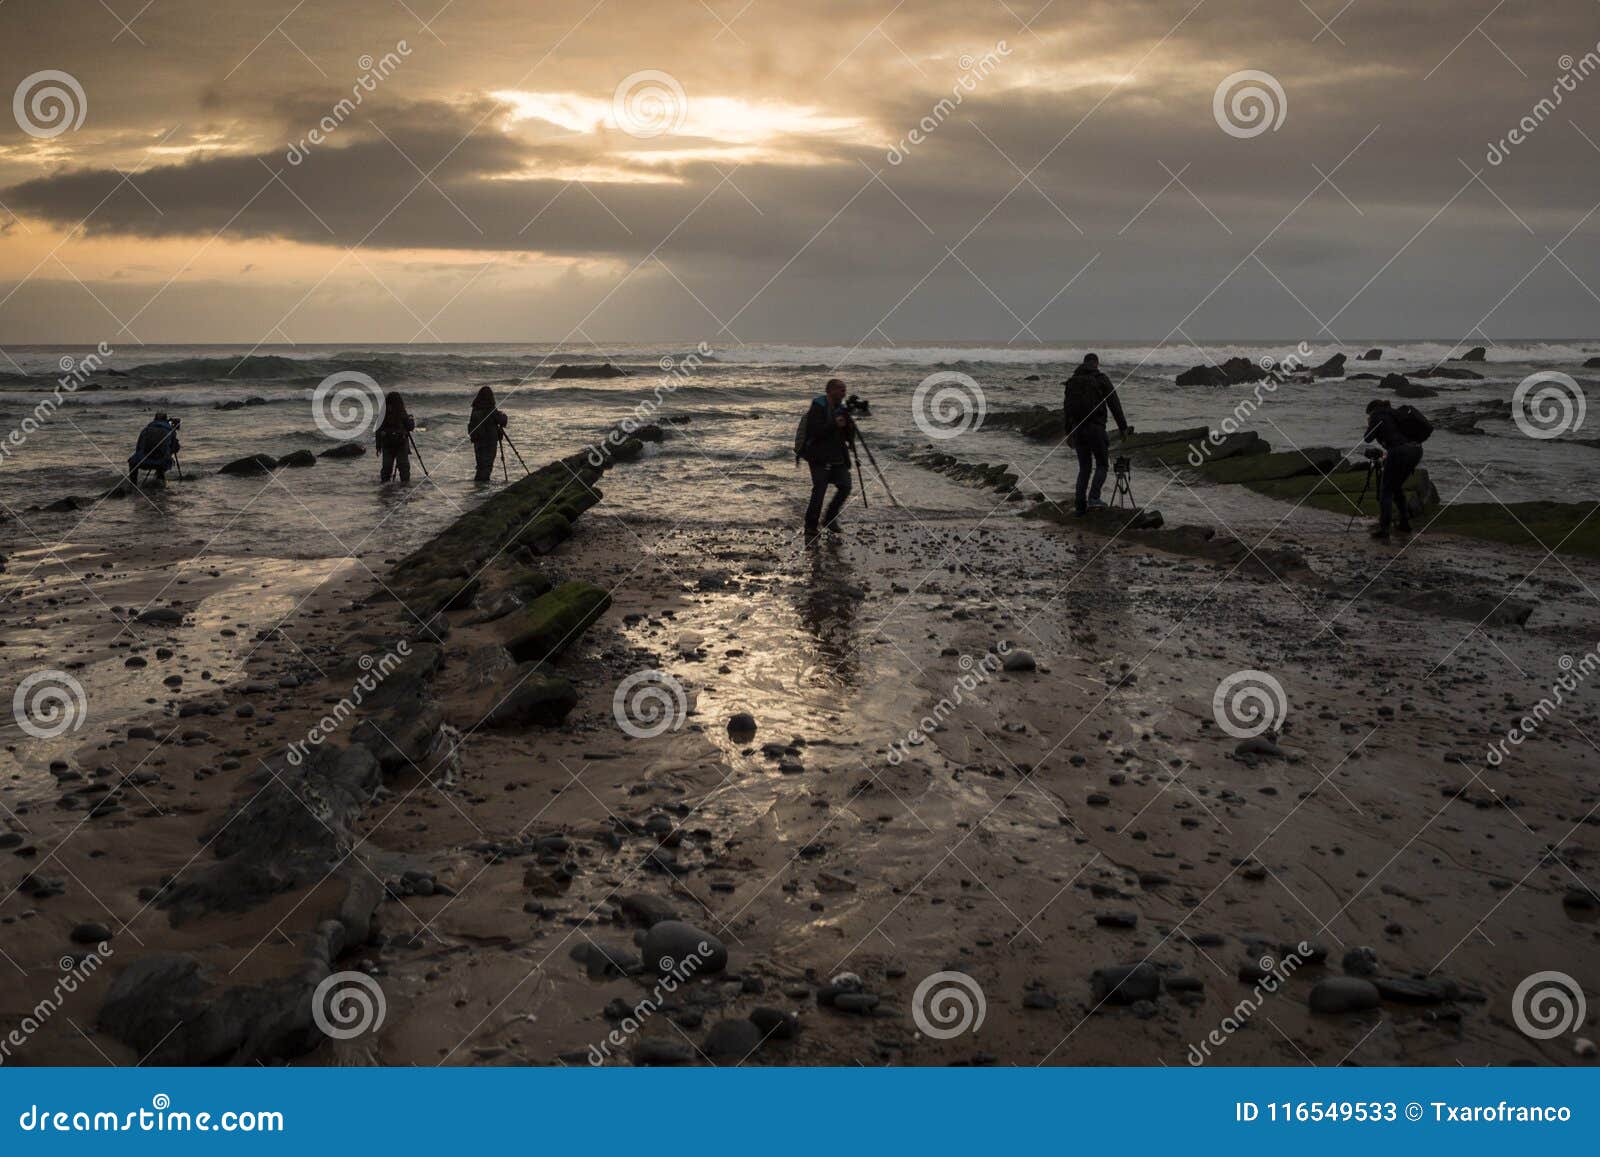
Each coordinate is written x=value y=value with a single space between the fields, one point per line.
x=1078 y=399
x=801 y=439
x=1412 y=424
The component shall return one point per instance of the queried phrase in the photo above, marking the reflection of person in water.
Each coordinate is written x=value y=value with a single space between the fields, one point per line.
x=826 y=605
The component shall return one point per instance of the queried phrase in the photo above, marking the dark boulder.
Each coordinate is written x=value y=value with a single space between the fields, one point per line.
x=1372 y=355
x=1476 y=354
x=298 y=458
x=253 y=464
x=1332 y=368
x=344 y=450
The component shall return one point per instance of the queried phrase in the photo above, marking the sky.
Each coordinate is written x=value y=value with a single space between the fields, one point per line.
x=1003 y=171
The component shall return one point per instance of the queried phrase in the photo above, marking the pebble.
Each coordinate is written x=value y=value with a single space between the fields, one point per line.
x=1362 y=961
x=774 y=1023
x=1020 y=661
x=671 y=943
x=1336 y=994
x=1126 y=983
x=90 y=932
x=661 y=1050
x=735 y=1039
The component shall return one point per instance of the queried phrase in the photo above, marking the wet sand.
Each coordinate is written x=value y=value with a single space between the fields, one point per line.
x=1083 y=815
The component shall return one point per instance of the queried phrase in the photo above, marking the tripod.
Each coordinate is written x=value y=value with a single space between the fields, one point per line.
x=418 y=453
x=1123 y=488
x=1374 y=467
x=505 y=440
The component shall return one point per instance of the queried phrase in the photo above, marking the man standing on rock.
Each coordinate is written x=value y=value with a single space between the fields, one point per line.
x=823 y=440
x=1401 y=433
x=1088 y=398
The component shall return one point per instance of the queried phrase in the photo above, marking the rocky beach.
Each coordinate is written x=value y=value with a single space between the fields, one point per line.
x=580 y=779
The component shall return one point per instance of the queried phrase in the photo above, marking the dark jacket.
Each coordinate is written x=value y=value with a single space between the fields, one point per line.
x=825 y=443
x=391 y=435
x=1384 y=429
x=485 y=424
x=1088 y=398
x=158 y=443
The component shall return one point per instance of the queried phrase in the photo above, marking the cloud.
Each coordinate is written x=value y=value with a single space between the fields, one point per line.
x=772 y=186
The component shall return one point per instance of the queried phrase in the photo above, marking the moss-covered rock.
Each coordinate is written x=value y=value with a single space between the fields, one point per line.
x=546 y=532
x=533 y=699
x=554 y=621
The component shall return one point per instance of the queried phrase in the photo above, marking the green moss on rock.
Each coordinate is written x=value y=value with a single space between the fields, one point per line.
x=554 y=621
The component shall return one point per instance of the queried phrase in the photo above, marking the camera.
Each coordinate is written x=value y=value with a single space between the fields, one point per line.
x=1122 y=466
x=1373 y=453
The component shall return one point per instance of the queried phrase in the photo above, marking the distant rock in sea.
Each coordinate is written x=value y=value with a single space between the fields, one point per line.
x=1476 y=354
x=1372 y=355
x=1332 y=368
x=1406 y=388
x=344 y=450
x=602 y=371
x=1233 y=372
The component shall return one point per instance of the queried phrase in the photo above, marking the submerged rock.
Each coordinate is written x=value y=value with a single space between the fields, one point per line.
x=251 y=464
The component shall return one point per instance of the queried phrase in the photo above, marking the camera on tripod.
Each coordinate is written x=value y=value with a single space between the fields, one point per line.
x=1122 y=466
x=1373 y=453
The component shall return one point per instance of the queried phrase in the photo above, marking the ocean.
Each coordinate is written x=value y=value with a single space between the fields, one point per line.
x=735 y=409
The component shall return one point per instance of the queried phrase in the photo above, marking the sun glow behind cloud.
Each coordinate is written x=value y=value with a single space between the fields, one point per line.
x=708 y=129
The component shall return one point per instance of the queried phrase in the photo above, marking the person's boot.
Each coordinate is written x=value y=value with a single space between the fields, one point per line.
x=1381 y=532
